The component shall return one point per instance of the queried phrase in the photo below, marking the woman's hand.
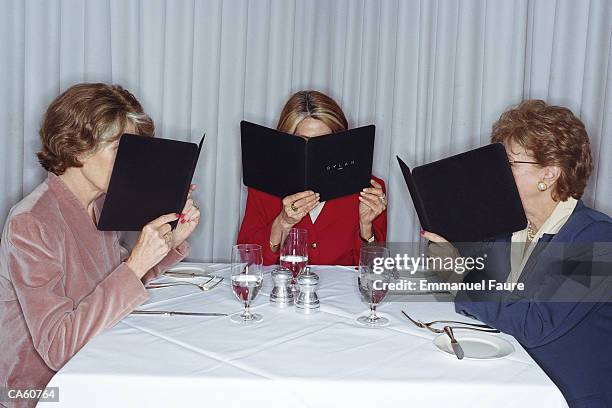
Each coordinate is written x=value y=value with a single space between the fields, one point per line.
x=154 y=243
x=433 y=237
x=372 y=202
x=295 y=207
x=440 y=247
x=189 y=220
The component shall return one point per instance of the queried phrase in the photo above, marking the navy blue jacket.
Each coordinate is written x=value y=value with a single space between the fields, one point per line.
x=570 y=339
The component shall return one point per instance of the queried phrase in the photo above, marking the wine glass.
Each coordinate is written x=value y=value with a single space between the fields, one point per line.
x=372 y=282
x=294 y=252
x=247 y=279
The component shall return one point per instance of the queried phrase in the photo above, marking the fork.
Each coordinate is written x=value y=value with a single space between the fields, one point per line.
x=476 y=327
x=202 y=286
x=214 y=285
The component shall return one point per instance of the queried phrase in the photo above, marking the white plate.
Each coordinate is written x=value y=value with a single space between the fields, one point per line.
x=476 y=345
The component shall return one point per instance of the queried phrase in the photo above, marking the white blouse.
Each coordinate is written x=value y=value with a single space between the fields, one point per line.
x=314 y=213
x=520 y=249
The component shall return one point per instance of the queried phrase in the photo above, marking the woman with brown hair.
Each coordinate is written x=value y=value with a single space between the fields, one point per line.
x=337 y=228
x=61 y=280
x=563 y=258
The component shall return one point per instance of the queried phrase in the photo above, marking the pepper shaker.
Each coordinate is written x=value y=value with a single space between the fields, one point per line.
x=307 y=299
x=282 y=294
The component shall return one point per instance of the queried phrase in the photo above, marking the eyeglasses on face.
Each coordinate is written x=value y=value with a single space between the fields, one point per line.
x=513 y=162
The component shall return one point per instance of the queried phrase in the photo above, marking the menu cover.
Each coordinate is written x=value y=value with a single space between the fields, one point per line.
x=151 y=177
x=282 y=164
x=469 y=197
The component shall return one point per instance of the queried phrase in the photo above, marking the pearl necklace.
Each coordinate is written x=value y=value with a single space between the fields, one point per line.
x=530 y=232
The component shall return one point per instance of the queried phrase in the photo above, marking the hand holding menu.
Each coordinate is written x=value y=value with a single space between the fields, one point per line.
x=468 y=197
x=282 y=164
x=151 y=177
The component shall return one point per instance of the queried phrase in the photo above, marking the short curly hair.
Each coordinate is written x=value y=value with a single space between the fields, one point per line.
x=555 y=137
x=85 y=117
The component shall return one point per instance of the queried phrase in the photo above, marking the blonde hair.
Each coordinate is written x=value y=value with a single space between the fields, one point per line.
x=311 y=104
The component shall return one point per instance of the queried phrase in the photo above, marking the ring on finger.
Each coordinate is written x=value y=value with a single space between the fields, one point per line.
x=168 y=237
x=293 y=207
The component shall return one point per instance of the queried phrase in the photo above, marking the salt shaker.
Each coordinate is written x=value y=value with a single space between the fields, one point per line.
x=282 y=294
x=307 y=299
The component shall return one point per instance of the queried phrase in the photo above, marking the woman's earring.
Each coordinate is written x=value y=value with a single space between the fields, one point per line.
x=542 y=186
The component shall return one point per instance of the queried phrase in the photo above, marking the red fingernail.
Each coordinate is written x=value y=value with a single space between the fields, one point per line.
x=182 y=221
x=422 y=232
x=178 y=215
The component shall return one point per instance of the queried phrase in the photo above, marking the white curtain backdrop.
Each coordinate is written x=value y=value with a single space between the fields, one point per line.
x=432 y=75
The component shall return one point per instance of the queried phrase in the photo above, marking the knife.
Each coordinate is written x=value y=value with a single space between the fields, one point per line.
x=454 y=343
x=170 y=313
x=186 y=274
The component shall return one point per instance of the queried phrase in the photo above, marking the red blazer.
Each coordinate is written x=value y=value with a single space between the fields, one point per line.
x=333 y=238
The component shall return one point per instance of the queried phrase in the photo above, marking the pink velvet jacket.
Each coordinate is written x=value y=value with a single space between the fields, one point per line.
x=61 y=283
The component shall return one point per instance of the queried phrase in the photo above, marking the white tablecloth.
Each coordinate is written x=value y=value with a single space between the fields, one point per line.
x=289 y=359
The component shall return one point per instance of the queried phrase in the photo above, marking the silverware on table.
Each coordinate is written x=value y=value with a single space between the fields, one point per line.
x=214 y=284
x=173 y=313
x=186 y=274
x=205 y=286
x=465 y=325
x=454 y=343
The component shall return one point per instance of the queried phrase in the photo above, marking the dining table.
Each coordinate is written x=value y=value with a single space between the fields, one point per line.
x=291 y=359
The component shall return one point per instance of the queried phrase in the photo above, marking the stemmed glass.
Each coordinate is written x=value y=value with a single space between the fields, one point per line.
x=294 y=252
x=372 y=283
x=247 y=279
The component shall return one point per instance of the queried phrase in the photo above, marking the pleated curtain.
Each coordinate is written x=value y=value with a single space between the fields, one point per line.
x=432 y=75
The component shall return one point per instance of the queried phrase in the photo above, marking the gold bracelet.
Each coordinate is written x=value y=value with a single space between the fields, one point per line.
x=367 y=241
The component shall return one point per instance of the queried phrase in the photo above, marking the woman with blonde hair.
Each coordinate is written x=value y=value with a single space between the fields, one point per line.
x=336 y=228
